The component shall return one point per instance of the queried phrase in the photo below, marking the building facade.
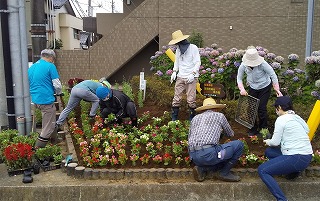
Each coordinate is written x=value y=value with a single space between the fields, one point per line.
x=125 y=49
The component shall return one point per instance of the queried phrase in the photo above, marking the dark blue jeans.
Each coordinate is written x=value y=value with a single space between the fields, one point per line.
x=207 y=159
x=279 y=164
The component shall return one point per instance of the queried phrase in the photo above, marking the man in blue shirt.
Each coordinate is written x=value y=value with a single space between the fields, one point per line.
x=44 y=83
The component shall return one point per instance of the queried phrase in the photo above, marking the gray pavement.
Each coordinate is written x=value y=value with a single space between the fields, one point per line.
x=56 y=185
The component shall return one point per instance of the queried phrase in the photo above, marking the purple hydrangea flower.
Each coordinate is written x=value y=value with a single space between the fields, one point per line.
x=279 y=59
x=276 y=65
x=233 y=49
x=259 y=48
x=236 y=64
x=214 y=63
x=261 y=53
x=214 y=53
x=201 y=67
x=228 y=63
x=295 y=79
x=289 y=72
x=214 y=46
x=310 y=60
x=158 y=53
x=299 y=71
x=315 y=94
x=293 y=57
x=220 y=70
x=159 y=73
x=315 y=53
x=271 y=56
x=169 y=72
x=203 y=72
x=214 y=70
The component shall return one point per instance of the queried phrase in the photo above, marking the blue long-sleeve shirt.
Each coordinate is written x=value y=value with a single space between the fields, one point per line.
x=89 y=85
x=258 y=77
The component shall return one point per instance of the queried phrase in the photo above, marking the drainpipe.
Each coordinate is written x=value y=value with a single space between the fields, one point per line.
x=7 y=63
x=38 y=29
x=309 y=28
x=3 y=104
x=25 y=66
x=15 y=43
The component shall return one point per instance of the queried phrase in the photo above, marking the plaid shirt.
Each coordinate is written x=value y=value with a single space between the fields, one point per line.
x=206 y=128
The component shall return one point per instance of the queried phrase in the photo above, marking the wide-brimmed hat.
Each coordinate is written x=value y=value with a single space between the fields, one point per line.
x=177 y=36
x=252 y=58
x=209 y=103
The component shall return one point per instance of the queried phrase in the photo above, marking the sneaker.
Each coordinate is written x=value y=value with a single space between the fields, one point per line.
x=198 y=174
x=229 y=177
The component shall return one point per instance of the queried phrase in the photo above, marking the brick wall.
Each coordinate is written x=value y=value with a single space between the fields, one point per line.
x=278 y=25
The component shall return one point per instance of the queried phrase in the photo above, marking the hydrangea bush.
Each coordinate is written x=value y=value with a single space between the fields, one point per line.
x=221 y=67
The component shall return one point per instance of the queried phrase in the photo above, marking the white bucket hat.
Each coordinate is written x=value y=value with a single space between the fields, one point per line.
x=177 y=36
x=252 y=58
x=209 y=103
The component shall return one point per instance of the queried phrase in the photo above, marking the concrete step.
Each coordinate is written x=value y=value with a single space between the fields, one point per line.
x=56 y=185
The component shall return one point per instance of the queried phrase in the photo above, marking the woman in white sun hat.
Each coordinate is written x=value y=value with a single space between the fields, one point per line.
x=260 y=78
x=185 y=72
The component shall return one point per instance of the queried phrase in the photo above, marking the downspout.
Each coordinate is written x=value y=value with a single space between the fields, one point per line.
x=7 y=63
x=25 y=66
x=15 y=43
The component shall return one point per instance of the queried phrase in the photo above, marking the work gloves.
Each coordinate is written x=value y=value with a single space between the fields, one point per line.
x=190 y=78
x=173 y=76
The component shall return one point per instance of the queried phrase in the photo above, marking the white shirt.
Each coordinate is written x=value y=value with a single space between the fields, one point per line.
x=187 y=63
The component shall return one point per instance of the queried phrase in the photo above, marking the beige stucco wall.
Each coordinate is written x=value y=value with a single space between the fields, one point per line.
x=278 y=25
x=107 y=21
x=67 y=24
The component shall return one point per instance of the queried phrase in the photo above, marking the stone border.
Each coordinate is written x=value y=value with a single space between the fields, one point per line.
x=81 y=172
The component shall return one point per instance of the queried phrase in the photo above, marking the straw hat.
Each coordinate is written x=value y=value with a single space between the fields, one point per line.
x=177 y=36
x=252 y=58
x=209 y=103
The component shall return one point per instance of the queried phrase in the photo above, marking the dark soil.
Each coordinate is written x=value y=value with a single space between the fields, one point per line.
x=239 y=130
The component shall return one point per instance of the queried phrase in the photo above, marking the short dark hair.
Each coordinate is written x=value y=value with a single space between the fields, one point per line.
x=285 y=103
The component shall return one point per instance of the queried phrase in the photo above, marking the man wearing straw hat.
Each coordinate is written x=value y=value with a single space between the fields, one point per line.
x=185 y=72
x=259 y=77
x=204 y=148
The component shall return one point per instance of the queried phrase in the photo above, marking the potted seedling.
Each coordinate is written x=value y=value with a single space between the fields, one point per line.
x=265 y=133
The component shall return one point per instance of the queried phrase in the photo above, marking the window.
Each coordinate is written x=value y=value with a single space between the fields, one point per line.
x=76 y=34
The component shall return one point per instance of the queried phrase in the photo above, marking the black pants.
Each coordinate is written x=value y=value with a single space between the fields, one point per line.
x=263 y=95
x=129 y=111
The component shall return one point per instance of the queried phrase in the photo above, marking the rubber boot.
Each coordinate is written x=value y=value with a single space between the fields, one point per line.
x=192 y=113
x=174 y=114
x=41 y=142
x=134 y=122
x=226 y=175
